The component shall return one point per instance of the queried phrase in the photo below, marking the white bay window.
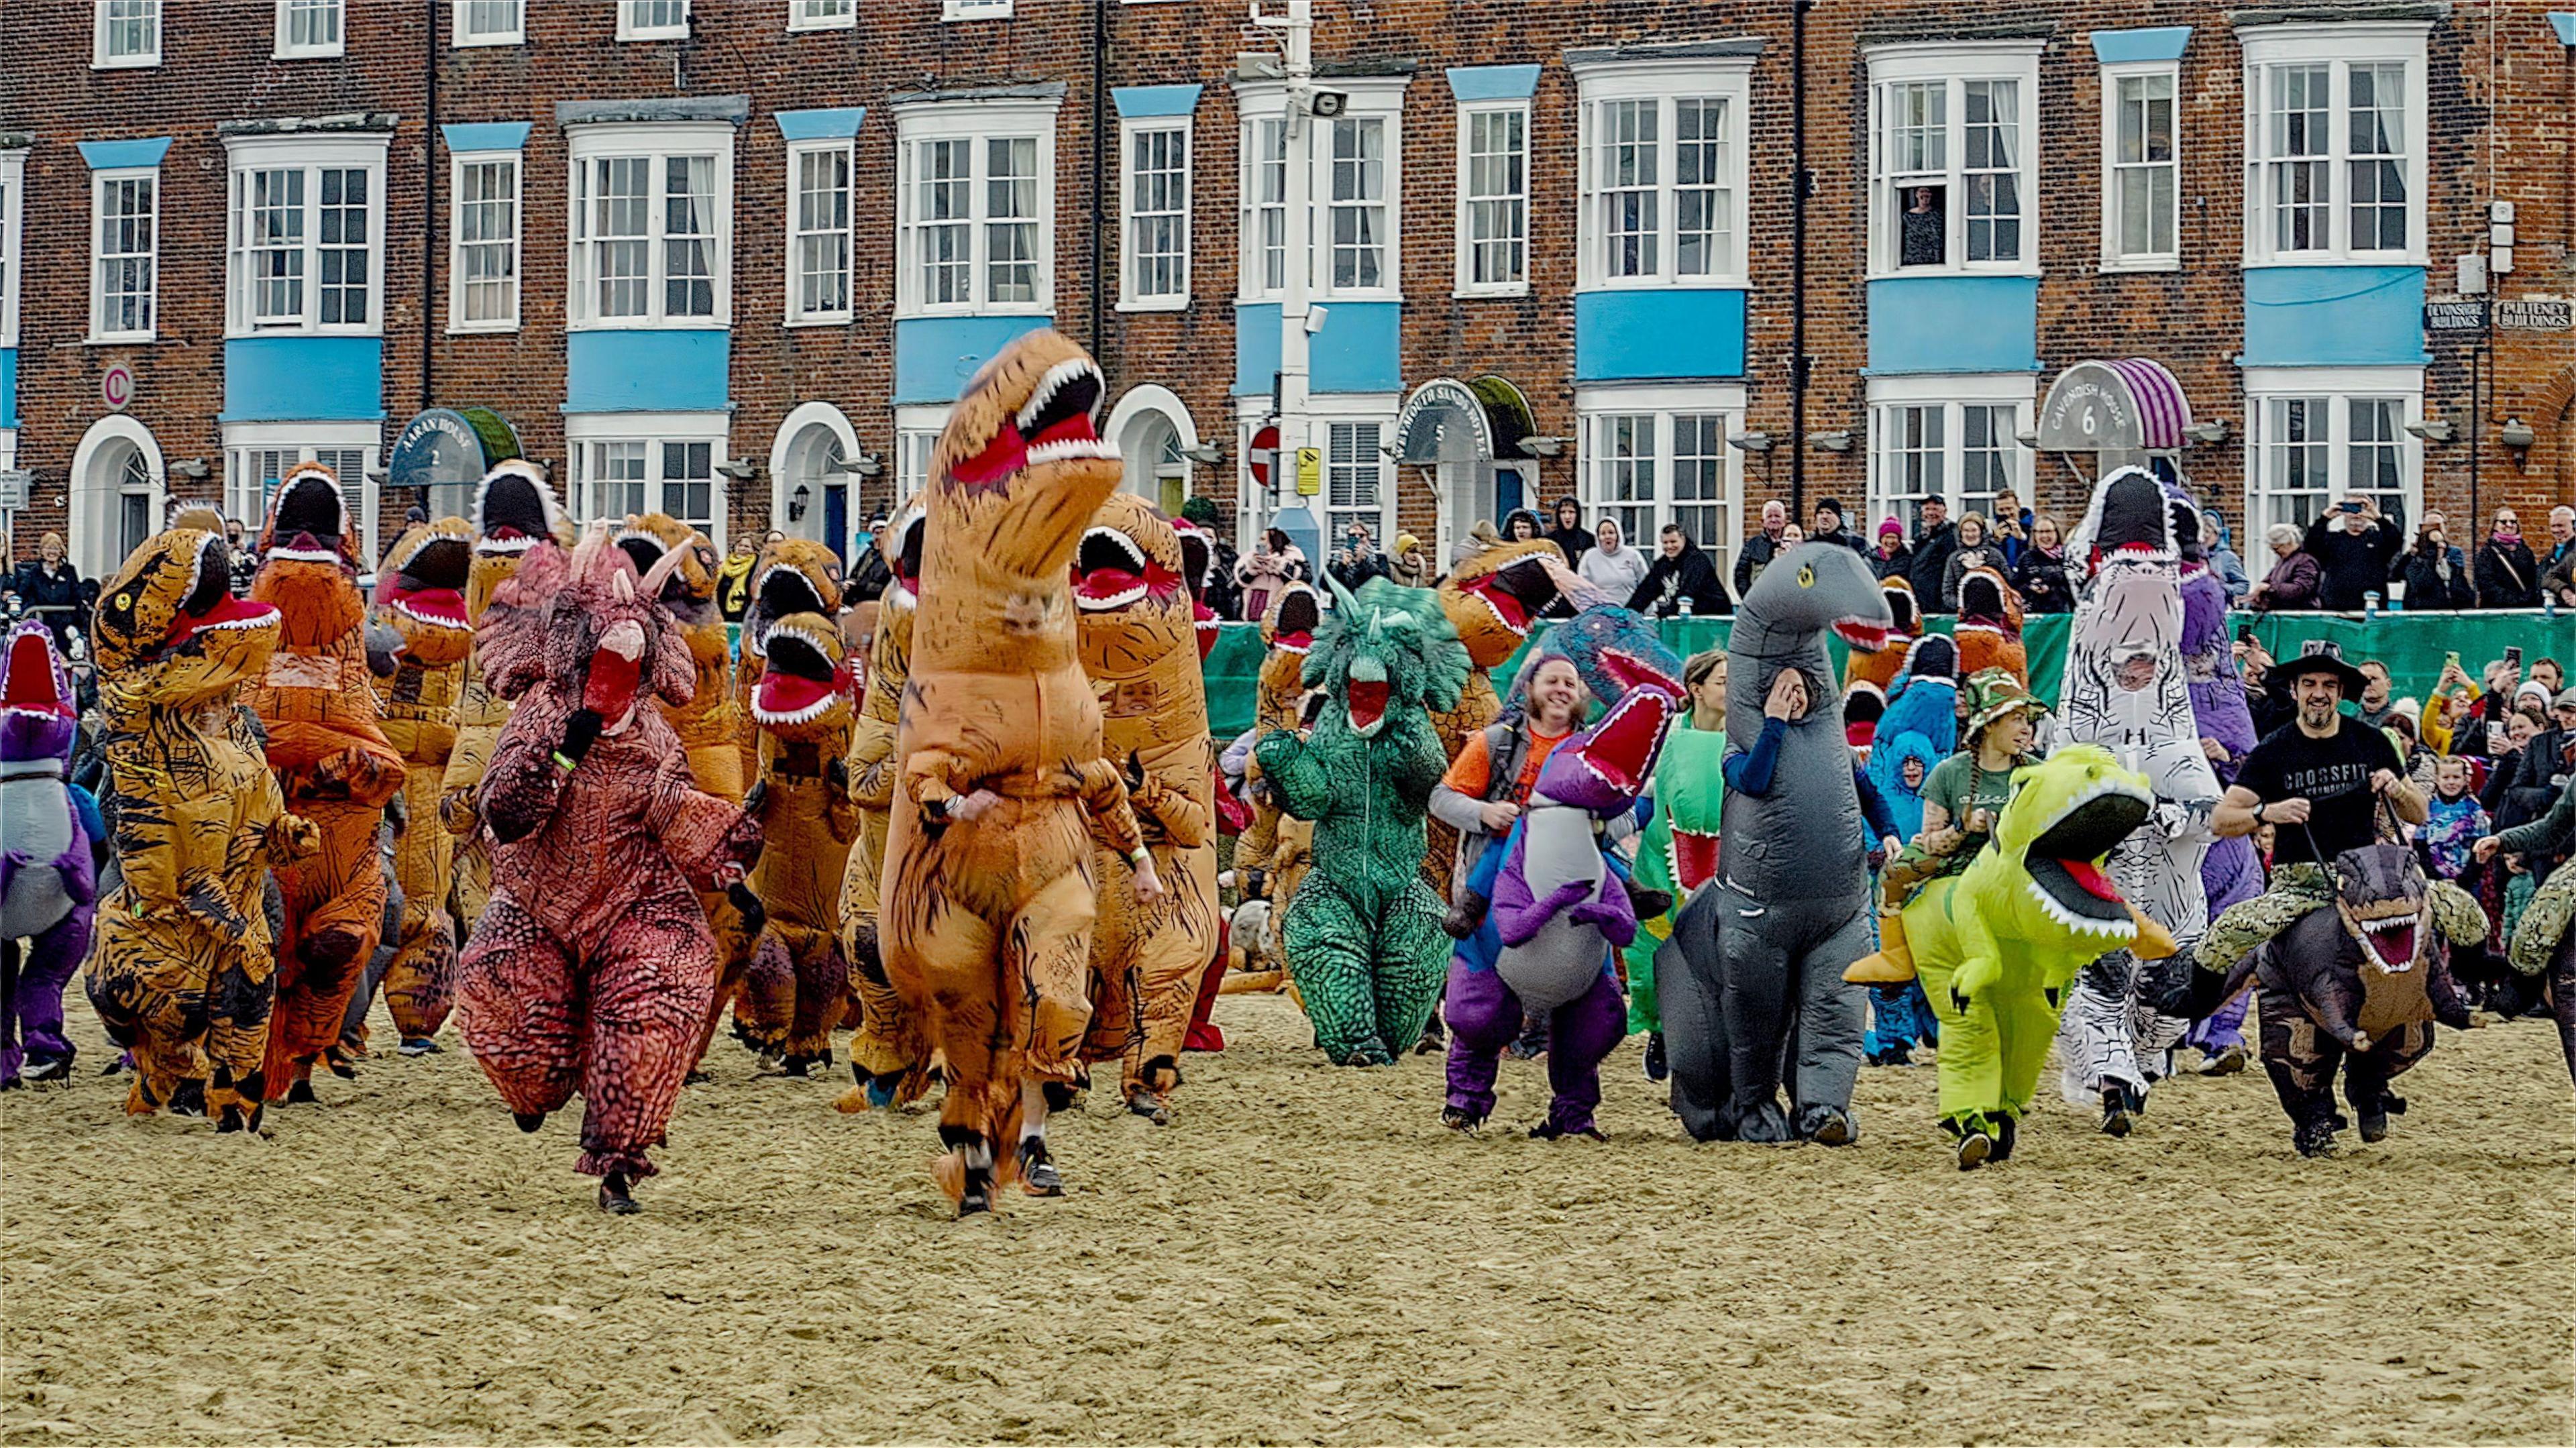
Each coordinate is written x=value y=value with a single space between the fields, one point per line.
x=1953 y=438
x=2317 y=433
x=1662 y=160
x=1155 y=200
x=2335 y=123
x=652 y=225
x=1953 y=157
x=1354 y=194
x=1651 y=456
x=975 y=231
x=306 y=234
x=484 y=236
x=632 y=463
x=818 y=232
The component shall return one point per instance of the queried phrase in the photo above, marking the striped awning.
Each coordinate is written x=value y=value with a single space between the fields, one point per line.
x=2131 y=405
x=2163 y=412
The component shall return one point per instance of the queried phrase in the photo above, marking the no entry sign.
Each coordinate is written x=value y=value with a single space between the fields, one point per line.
x=1264 y=454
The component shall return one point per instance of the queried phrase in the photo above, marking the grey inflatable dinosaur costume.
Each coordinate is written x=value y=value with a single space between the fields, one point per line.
x=1768 y=938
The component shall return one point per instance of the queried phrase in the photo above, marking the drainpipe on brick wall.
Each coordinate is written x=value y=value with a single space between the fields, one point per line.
x=429 y=213
x=1799 y=184
x=1099 y=164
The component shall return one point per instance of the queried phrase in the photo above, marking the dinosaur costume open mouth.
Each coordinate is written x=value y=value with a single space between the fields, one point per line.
x=1694 y=857
x=1516 y=594
x=427 y=585
x=2137 y=519
x=2388 y=933
x=1633 y=670
x=798 y=681
x=511 y=515
x=1055 y=425
x=616 y=671
x=311 y=520
x=1981 y=597
x=1901 y=604
x=30 y=687
x=210 y=606
x=1366 y=695
x=783 y=590
x=1866 y=635
x=1300 y=612
x=1623 y=745
x=1111 y=572
x=2064 y=863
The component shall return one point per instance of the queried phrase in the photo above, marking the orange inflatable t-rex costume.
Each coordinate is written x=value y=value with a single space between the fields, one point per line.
x=888 y=1056
x=1874 y=670
x=1989 y=627
x=987 y=906
x=801 y=705
x=1140 y=646
x=333 y=763
x=1288 y=628
x=792 y=575
x=420 y=594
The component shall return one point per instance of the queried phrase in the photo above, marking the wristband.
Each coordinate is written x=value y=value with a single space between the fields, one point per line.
x=1139 y=855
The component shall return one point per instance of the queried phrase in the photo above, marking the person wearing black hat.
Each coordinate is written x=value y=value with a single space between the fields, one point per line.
x=2319 y=781
x=1829 y=528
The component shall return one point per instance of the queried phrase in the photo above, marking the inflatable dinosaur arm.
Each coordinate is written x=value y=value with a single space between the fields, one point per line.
x=1417 y=770
x=712 y=839
x=1103 y=791
x=871 y=764
x=931 y=779
x=1296 y=776
x=1981 y=957
x=523 y=785
x=1184 y=823
x=368 y=768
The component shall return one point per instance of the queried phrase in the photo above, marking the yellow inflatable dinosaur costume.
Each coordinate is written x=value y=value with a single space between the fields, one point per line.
x=420 y=594
x=801 y=705
x=887 y=1052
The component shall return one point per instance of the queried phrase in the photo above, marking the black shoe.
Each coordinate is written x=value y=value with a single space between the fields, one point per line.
x=49 y=1068
x=2115 y=1111
x=2314 y=1138
x=1459 y=1118
x=301 y=1094
x=2006 y=1130
x=1256 y=884
x=1550 y=1131
x=616 y=1196
x=1834 y=1128
x=528 y=1121
x=1151 y=1106
x=1038 y=1176
x=188 y=1098
x=1975 y=1147
x=1900 y=1054
x=1467 y=916
x=1434 y=1039
x=1658 y=1065
x=2374 y=1124
x=418 y=1046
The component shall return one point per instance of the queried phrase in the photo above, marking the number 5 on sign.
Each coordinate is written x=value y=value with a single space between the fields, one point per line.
x=1310 y=471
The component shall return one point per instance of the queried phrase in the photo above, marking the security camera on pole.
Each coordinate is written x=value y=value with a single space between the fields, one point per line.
x=1297 y=321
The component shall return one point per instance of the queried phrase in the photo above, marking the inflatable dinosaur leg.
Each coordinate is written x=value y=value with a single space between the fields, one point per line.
x=1411 y=965
x=1252 y=848
x=472 y=887
x=647 y=989
x=1759 y=1009
x=1484 y=1015
x=1972 y=1065
x=822 y=985
x=1832 y=1016
x=764 y=1005
x=2301 y=1061
x=1328 y=946
x=1047 y=954
x=1581 y=1035
x=335 y=908
x=2096 y=1042
x=887 y=1046
x=420 y=981
x=2562 y=999
x=35 y=1005
x=2028 y=1024
x=521 y=1010
x=1688 y=995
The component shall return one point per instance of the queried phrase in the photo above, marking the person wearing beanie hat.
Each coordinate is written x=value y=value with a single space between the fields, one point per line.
x=1891 y=558
x=1406 y=563
x=1828 y=528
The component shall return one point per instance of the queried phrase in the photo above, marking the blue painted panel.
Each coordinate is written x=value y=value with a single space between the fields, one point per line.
x=2334 y=316
x=837 y=124
x=2565 y=24
x=304 y=379
x=1953 y=324
x=648 y=370
x=935 y=357
x=109 y=155
x=1633 y=336
x=8 y=387
x=1356 y=352
x=2119 y=47
x=1493 y=82
x=486 y=136
x=1136 y=102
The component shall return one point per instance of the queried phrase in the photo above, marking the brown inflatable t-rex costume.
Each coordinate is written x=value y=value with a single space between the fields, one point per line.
x=420 y=595
x=987 y=907
x=333 y=763
x=801 y=705
x=1139 y=644
x=888 y=1056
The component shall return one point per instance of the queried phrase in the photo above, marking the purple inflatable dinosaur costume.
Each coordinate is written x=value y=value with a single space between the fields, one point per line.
x=48 y=880
x=2230 y=871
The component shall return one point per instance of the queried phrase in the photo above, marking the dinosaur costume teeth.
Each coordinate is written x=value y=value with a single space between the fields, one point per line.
x=799 y=978
x=988 y=895
x=791 y=576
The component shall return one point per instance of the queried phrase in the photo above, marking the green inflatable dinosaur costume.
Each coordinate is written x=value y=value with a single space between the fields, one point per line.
x=1678 y=853
x=1997 y=944
x=1362 y=934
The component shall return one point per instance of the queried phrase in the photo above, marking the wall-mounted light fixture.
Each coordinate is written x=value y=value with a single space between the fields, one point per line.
x=1752 y=442
x=1543 y=447
x=739 y=469
x=189 y=468
x=2212 y=432
x=1837 y=439
x=2432 y=429
x=1206 y=452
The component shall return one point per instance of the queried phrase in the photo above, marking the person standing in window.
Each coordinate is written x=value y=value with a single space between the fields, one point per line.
x=1569 y=534
x=1924 y=235
x=2507 y=575
x=1681 y=572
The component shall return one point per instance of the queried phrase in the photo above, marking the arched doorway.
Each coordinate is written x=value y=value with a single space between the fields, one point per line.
x=1154 y=435
x=1466 y=436
x=810 y=477
x=118 y=494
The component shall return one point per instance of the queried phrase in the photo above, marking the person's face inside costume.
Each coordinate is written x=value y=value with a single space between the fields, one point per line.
x=1708 y=696
x=2318 y=694
x=2136 y=670
x=1913 y=773
x=1556 y=692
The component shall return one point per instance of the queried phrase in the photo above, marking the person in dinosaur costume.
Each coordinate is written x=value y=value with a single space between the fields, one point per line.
x=1559 y=915
x=1989 y=629
x=333 y=761
x=1139 y=646
x=1873 y=671
x=590 y=971
x=1363 y=934
x=2356 y=986
x=1998 y=943
x=2541 y=943
x=420 y=595
x=791 y=576
x=1287 y=634
x=1792 y=887
x=2126 y=689
x=807 y=825
x=709 y=724
x=182 y=965
x=514 y=510
x=1919 y=730
x=48 y=864
x=988 y=899
x=1490 y=601
x=2231 y=871
x=1678 y=850
x=888 y=1055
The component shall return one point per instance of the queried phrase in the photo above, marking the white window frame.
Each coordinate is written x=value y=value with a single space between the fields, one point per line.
x=312 y=154
x=978 y=121
x=803 y=17
x=975 y=10
x=1378 y=98
x=1597 y=411
x=2339 y=387
x=629 y=28
x=1130 y=297
x=99 y=184
x=1954 y=64
x=1954 y=394
x=656 y=143
x=916 y=432
x=1466 y=283
x=1725 y=79
x=458 y=163
x=288 y=49
x=797 y=152
x=243 y=497
x=465 y=36
x=1361 y=410
x=2114 y=213
x=653 y=430
x=99 y=59
x=2339 y=46
x=13 y=188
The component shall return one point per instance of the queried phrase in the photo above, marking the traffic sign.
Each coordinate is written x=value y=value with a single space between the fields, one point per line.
x=116 y=387
x=1264 y=454
x=1310 y=471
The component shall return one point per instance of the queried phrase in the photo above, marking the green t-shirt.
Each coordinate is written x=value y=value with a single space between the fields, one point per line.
x=1960 y=788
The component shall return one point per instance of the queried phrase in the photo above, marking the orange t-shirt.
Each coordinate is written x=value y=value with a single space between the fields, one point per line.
x=1473 y=770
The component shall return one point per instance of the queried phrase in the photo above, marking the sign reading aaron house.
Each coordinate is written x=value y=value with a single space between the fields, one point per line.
x=445 y=452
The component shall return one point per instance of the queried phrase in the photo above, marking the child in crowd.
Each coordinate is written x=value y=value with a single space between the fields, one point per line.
x=2454 y=822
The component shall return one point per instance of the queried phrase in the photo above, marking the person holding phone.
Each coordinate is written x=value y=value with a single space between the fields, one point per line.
x=2354 y=546
x=1357 y=560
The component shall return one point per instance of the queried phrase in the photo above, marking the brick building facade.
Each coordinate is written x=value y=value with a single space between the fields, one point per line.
x=734 y=258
